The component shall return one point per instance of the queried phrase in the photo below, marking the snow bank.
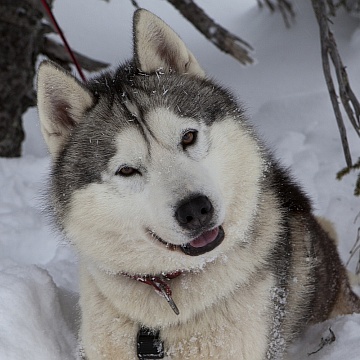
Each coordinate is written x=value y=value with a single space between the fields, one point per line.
x=342 y=344
x=31 y=318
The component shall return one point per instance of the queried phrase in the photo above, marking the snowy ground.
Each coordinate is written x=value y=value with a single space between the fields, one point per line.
x=287 y=99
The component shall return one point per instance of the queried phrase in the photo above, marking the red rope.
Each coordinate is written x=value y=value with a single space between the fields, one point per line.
x=57 y=27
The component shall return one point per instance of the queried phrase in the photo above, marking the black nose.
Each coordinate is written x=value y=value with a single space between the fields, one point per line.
x=194 y=213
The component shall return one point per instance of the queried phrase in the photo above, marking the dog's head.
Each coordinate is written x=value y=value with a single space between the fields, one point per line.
x=154 y=168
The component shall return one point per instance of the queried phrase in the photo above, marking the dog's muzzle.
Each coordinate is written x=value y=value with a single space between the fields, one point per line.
x=196 y=216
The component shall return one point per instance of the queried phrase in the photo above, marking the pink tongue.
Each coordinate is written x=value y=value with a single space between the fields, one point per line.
x=204 y=239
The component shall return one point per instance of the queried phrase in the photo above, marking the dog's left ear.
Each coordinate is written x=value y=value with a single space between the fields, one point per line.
x=157 y=46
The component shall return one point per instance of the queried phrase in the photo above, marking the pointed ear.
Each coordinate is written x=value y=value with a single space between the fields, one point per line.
x=157 y=46
x=62 y=101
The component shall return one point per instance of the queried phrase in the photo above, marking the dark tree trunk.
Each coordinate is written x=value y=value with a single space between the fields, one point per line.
x=20 y=37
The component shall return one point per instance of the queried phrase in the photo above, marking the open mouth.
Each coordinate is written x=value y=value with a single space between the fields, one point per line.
x=205 y=242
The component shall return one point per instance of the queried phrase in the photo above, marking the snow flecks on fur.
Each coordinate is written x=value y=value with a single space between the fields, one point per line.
x=277 y=343
x=199 y=347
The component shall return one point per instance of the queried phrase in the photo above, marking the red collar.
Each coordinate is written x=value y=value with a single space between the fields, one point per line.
x=160 y=284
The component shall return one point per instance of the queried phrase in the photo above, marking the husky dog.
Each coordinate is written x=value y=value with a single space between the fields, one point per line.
x=193 y=242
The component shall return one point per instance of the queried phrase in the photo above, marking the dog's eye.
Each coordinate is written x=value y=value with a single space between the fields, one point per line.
x=188 y=138
x=127 y=171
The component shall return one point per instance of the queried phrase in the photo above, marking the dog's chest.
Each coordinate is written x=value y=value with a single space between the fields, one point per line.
x=237 y=327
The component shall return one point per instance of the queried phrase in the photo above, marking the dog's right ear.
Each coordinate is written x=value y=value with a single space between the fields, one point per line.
x=62 y=101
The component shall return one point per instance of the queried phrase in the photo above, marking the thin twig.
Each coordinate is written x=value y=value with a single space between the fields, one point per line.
x=355 y=249
x=284 y=6
x=325 y=341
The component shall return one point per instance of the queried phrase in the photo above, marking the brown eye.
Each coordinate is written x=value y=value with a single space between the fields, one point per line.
x=127 y=171
x=188 y=138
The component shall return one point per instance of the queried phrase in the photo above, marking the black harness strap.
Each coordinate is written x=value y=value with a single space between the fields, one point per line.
x=149 y=344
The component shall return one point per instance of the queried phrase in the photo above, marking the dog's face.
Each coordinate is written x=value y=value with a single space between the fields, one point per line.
x=156 y=173
x=163 y=174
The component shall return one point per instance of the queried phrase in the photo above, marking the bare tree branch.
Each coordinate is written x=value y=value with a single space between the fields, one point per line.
x=351 y=6
x=284 y=6
x=58 y=53
x=347 y=96
x=219 y=36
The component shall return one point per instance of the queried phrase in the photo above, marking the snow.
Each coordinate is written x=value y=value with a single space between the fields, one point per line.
x=33 y=325
x=286 y=97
